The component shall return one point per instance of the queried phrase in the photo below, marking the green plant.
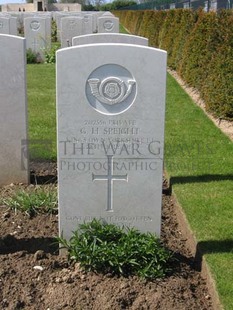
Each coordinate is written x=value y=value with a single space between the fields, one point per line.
x=42 y=110
x=31 y=202
x=50 y=54
x=31 y=57
x=199 y=46
x=107 y=248
x=199 y=163
x=54 y=31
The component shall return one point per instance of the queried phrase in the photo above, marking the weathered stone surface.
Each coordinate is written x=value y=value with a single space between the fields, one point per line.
x=110 y=135
x=13 y=106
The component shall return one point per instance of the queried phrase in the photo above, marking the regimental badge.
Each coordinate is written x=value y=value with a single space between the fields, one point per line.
x=108 y=25
x=35 y=25
x=111 y=89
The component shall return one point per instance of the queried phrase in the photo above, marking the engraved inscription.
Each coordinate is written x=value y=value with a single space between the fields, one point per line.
x=1 y=24
x=112 y=219
x=110 y=178
x=35 y=25
x=111 y=89
x=108 y=25
x=35 y=44
x=72 y=24
x=86 y=19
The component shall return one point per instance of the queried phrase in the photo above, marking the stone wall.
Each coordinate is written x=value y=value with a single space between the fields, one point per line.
x=30 y=7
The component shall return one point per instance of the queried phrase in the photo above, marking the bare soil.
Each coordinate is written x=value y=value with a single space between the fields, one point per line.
x=33 y=276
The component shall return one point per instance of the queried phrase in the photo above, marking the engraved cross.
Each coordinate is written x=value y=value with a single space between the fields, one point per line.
x=110 y=178
x=35 y=43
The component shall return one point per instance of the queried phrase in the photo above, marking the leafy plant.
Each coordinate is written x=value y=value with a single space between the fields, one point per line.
x=107 y=248
x=54 y=31
x=50 y=54
x=198 y=45
x=31 y=57
x=32 y=202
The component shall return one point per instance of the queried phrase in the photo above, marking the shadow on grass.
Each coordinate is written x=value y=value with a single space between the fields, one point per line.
x=200 y=178
x=10 y=244
x=211 y=246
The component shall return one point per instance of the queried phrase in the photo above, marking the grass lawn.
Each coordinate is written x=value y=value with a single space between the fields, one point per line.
x=198 y=160
x=42 y=111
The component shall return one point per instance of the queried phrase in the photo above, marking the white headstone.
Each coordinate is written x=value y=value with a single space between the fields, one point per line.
x=13 y=107
x=111 y=111
x=108 y=24
x=109 y=38
x=59 y=16
x=107 y=14
x=37 y=38
x=87 y=24
x=13 y=26
x=70 y=27
x=4 y=25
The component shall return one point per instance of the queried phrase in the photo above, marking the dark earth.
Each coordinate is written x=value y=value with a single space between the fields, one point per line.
x=33 y=276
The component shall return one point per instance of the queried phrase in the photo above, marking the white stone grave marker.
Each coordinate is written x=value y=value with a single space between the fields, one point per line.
x=109 y=38
x=108 y=24
x=70 y=27
x=37 y=38
x=13 y=107
x=4 y=25
x=111 y=111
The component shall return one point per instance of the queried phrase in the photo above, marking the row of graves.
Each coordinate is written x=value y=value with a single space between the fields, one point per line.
x=110 y=128
x=37 y=27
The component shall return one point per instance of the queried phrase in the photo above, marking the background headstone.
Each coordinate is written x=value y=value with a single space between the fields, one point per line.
x=37 y=37
x=110 y=135
x=87 y=24
x=13 y=107
x=70 y=27
x=4 y=25
x=13 y=26
x=108 y=24
x=109 y=38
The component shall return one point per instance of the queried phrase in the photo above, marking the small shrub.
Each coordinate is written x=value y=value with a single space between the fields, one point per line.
x=54 y=31
x=50 y=54
x=31 y=57
x=107 y=248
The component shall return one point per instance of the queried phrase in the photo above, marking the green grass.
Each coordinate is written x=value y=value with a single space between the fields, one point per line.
x=199 y=161
x=123 y=30
x=32 y=200
x=42 y=111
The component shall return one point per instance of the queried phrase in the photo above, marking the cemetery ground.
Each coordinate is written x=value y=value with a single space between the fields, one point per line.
x=27 y=244
x=198 y=162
